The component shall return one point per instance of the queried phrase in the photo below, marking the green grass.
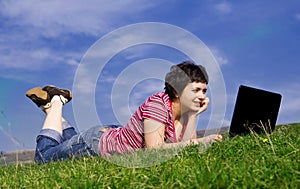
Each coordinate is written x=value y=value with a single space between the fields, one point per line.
x=253 y=161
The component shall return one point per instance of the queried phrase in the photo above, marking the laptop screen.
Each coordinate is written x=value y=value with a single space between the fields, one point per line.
x=255 y=110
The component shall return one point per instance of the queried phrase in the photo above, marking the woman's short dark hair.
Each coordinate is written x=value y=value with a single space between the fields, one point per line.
x=182 y=74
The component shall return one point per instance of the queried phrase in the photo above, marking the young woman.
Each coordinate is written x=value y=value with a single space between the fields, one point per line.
x=165 y=120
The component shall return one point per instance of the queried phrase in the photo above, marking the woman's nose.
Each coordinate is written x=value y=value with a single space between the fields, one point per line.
x=201 y=95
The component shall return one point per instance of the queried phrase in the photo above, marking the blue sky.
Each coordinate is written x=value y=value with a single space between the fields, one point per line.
x=255 y=43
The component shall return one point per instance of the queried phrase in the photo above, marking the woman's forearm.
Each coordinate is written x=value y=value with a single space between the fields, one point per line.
x=196 y=141
x=172 y=145
x=191 y=128
x=180 y=144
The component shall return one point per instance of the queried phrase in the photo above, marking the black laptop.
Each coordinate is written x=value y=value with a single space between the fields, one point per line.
x=255 y=110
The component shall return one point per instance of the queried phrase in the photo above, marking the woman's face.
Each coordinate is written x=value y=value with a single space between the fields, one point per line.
x=192 y=96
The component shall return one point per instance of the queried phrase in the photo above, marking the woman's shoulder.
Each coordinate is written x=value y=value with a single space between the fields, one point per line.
x=159 y=99
x=157 y=107
x=161 y=96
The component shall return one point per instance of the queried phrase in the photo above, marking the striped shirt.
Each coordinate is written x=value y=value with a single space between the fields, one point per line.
x=130 y=137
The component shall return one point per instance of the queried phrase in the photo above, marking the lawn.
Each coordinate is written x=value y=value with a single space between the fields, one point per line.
x=252 y=161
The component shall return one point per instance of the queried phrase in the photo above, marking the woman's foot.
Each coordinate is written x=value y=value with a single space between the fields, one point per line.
x=64 y=94
x=42 y=97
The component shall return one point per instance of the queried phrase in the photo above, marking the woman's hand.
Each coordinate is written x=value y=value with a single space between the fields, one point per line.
x=207 y=139
x=203 y=106
x=212 y=138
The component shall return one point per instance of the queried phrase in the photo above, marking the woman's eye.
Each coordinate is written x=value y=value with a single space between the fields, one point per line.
x=197 y=90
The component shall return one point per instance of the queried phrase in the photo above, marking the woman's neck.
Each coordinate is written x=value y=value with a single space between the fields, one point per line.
x=176 y=110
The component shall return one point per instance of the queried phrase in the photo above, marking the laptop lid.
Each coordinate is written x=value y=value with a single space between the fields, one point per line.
x=255 y=110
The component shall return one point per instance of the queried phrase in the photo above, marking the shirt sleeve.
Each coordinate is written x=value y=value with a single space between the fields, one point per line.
x=155 y=109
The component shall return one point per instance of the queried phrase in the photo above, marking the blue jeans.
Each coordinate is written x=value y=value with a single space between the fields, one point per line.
x=52 y=146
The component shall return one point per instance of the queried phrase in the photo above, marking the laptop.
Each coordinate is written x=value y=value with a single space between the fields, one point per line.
x=255 y=110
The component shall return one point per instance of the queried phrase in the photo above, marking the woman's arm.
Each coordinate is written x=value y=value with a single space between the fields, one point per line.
x=154 y=137
x=191 y=127
x=154 y=132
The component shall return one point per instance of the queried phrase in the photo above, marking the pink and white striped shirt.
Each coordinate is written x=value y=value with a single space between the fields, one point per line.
x=131 y=136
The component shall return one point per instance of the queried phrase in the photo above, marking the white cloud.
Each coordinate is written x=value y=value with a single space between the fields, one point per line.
x=55 y=17
x=219 y=56
x=72 y=62
x=223 y=8
x=35 y=59
x=25 y=59
x=33 y=30
x=297 y=16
